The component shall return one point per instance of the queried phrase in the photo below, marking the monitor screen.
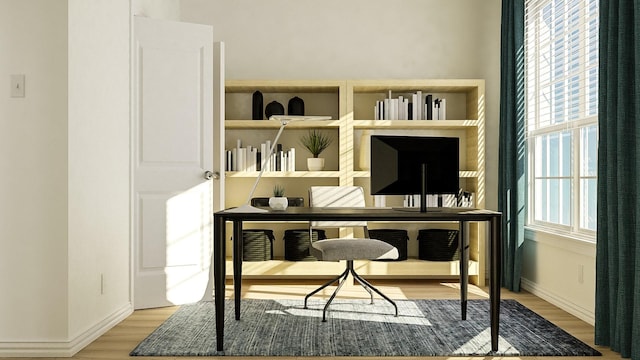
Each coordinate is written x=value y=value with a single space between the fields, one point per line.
x=396 y=164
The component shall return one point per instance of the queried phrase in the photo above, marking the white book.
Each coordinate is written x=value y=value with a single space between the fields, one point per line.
x=242 y=156
x=248 y=160
x=292 y=159
x=443 y=109
x=285 y=161
x=269 y=164
x=419 y=115
x=416 y=105
x=234 y=159
x=379 y=201
x=254 y=159
x=393 y=112
x=401 y=111
x=416 y=200
x=387 y=105
x=263 y=154
x=436 y=109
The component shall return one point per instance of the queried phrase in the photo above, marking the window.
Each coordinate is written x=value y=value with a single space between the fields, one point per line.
x=561 y=61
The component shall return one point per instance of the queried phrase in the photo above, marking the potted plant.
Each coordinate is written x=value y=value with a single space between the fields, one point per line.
x=316 y=142
x=278 y=201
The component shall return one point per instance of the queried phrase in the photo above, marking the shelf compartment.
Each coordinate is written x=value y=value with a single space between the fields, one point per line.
x=283 y=174
x=410 y=268
x=270 y=124
x=416 y=124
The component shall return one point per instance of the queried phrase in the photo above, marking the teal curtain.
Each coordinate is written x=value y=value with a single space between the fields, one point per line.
x=512 y=198
x=618 y=235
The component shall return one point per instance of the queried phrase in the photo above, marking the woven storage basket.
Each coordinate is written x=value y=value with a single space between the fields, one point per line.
x=395 y=237
x=438 y=245
x=257 y=245
x=296 y=244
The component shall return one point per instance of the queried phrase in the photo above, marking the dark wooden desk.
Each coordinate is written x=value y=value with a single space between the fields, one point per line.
x=461 y=215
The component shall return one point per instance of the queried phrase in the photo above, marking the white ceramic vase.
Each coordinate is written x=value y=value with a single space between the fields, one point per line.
x=278 y=203
x=315 y=164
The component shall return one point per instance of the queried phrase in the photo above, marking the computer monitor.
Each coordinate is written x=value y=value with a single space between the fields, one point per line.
x=402 y=165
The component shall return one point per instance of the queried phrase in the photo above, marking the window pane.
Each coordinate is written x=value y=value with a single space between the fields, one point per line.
x=589 y=151
x=553 y=155
x=588 y=204
x=553 y=201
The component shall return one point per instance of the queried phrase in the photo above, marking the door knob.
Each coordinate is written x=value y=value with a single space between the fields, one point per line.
x=208 y=175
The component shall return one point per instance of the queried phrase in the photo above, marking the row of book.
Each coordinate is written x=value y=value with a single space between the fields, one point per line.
x=418 y=107
x=252 y=158
x=462 y=199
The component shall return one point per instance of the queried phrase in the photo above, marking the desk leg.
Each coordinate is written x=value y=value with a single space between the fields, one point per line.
x=463 y=240
x=219 y=275
x=237 y=265
x=495 y=276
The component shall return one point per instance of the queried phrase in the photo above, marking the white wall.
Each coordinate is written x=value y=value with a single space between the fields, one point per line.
x=33 y=160
x=65 y=193
x=98 y=157
x=562 y=271
x=362 y=39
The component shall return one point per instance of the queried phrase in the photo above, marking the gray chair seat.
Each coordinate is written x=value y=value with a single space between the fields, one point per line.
x=353 y=249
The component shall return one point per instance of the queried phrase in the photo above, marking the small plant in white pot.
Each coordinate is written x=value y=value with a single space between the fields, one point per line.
x=316 y=142
x=278 y=201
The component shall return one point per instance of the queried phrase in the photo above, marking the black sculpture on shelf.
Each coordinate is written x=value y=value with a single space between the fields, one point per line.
x=257 y=106
x=274 y=108
x=295 y=106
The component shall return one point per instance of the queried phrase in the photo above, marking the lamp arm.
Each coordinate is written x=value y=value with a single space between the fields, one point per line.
x=273 y=146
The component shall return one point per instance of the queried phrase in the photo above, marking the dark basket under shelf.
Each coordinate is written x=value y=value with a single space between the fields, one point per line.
x=396 y=237
x=438 y=245
x=296 y=244
x=257 y=244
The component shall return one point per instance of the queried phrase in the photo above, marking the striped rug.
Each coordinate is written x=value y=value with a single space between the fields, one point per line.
x=357 y=328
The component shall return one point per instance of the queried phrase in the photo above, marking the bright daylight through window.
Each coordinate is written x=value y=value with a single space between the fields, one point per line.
x=561 y=60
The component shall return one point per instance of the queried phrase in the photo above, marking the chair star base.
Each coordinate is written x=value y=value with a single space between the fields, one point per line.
x=341 y=279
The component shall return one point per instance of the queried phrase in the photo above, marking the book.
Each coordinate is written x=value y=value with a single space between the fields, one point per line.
x=428 y=107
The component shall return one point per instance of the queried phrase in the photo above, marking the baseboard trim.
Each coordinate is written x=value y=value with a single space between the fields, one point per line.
x=564 y=304
x=65 y=348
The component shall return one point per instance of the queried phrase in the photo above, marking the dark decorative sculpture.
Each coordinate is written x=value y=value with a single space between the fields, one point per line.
x=274 y=108
x=296 y=106
x=257 y=106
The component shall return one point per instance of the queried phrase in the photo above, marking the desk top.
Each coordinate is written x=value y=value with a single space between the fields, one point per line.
x=366 y=213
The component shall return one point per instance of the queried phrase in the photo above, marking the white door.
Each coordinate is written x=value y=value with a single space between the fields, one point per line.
x=172 y=147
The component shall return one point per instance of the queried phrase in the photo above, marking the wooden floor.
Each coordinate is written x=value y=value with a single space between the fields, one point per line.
x=119 y=341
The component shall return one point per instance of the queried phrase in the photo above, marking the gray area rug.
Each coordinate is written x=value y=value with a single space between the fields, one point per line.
x=357 y=328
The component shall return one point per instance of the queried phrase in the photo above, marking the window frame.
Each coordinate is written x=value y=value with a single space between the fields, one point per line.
x=535 y=129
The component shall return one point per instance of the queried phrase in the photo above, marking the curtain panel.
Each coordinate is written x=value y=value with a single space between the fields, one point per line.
x=618 y=234
x=512 y=201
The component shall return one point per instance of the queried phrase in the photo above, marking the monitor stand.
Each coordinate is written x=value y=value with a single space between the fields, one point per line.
x=423 y=194
x=423 y=189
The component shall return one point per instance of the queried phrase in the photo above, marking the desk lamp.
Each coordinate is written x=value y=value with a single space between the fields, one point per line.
x=284 y=120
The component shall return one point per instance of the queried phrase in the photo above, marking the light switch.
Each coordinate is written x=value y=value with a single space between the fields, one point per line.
x=17 y=85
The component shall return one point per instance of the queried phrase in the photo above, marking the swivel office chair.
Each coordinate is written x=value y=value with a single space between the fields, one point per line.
x=348 y=249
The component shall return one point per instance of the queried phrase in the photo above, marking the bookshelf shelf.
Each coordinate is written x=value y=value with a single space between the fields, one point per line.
x=350 y=103
x=284 y=174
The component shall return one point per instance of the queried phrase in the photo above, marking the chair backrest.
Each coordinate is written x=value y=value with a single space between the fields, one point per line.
x=337 y=196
